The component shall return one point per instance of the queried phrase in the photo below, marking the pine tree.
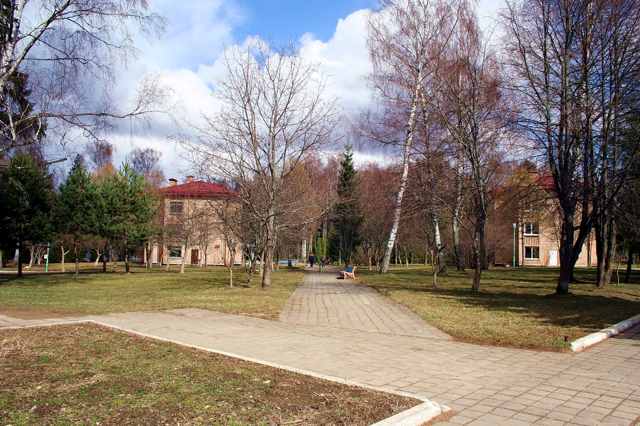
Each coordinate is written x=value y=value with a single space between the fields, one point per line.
x=76 y=208
x=347 y=213
x=128 y=209
x=26 y=190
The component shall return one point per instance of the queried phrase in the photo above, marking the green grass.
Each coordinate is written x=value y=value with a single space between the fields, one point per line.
x=514 y=307
x=86 y=374
x=98 y=293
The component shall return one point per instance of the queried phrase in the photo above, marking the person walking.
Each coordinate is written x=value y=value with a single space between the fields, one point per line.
x=312 y=259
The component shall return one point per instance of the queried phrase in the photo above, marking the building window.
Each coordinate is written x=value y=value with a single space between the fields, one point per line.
x=531 y=229
x=176 y=252
x=532 y=253
x=176 y=207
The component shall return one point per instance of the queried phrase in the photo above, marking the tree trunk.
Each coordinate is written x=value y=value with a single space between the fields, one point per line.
x=62 y=261
x=261 y=268
x=481 y=254
x=232 y=255
x=434 y=269
x=304 y=248
x=98 y=254
x=104 y=260
x=75 y=257
x=436 y=235
x=566 y=255
x=32 y=251
x=395 y=257
x=384 y=267
x=126 y=256
x=611 y=252
x=627 y=278
x=601 y=250
x=268 y=254
x=251 y=267
x=147 y=252
x=184 y=257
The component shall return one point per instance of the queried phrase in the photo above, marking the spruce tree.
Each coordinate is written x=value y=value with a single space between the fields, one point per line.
x=347 y=213
x=128 y=209
x=76 y=208
x=26 y=190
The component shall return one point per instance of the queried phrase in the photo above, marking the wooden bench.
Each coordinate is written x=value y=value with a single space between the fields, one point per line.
x=349 y=273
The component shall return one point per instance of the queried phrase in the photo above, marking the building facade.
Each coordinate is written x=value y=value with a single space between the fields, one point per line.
x=530 y=227
x=193 y=231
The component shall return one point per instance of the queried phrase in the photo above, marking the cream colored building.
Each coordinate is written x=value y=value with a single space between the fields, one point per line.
x=190 y=215
x=535 y=228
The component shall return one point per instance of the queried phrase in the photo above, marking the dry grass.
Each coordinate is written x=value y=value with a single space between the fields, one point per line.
x=106 y=293
x=87 y=374
x=515 y=307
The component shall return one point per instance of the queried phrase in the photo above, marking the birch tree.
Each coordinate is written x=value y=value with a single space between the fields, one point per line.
x=405 y=38
x=66 y=56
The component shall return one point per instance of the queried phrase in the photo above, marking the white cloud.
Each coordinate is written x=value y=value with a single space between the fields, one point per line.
x=345 y=58
x=188 y=59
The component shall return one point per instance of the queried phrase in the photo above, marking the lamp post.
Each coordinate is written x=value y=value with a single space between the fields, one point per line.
x=514 y=245
x=319 y=255
x=46 y=269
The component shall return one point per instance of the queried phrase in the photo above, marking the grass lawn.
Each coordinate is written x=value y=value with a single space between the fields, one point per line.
x=85 y=374
x=97 y=293
x=513 y=307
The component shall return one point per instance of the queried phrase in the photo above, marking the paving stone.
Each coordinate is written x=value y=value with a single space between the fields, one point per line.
x=345 y=330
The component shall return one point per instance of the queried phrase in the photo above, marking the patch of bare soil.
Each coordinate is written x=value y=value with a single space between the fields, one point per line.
x=88 y=374
x=33 y=314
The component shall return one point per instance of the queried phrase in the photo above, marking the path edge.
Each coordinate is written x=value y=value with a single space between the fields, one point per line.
x=414 y=416
x=599 y=336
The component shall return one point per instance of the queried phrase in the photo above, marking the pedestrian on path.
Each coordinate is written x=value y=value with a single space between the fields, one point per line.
x=312 y=259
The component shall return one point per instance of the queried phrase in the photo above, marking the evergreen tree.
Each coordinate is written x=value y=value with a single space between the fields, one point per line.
x=76 y=208
x=26 y=190
x=128 y=209
x=347 y=213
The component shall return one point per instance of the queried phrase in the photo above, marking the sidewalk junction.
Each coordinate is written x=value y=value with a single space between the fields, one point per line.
x=342 y=329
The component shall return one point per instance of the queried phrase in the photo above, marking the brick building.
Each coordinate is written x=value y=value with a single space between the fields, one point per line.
x=532 y=225
x=194 y=234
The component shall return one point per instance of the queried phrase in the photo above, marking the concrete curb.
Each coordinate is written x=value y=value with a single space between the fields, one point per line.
x=414 y=416
x=593 y=338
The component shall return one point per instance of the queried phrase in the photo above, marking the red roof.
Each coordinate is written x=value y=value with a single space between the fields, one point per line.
x=546 y=183
x=195 y=189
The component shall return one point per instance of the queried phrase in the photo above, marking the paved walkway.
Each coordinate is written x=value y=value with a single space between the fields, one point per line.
x=485 y=385
x=325 y=300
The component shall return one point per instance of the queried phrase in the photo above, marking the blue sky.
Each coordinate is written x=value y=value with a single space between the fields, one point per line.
x=284 y=19
x=330 y=31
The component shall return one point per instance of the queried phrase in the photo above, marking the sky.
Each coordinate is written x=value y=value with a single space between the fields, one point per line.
x=331 y=31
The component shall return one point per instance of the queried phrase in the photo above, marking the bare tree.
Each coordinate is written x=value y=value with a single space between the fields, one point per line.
x=59 y=61
x=574 y=69
x=276 y=114
x=474 y=112
x=404 y=39
x=100 y=153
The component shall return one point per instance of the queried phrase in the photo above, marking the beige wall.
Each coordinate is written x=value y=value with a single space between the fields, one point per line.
x=202 y=232
x=546 y=238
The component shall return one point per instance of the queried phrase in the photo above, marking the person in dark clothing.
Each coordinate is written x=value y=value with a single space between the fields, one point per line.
x=312 y=259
